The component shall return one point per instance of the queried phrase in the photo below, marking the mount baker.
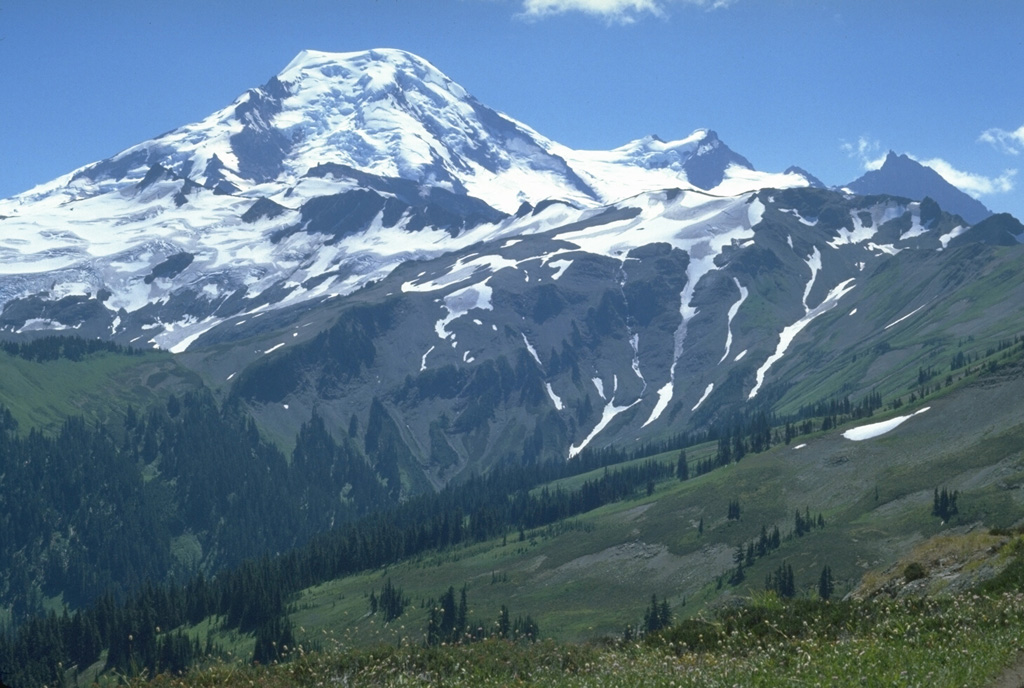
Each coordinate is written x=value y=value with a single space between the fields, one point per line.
x=361 y=228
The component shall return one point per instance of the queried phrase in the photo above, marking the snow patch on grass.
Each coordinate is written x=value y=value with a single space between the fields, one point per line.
x=866 y=432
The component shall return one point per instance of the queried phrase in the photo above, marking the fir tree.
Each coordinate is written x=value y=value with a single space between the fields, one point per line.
x=826 y=585
x=682 y=467
x=657 y=616
x=781 y=581
x=944 y=504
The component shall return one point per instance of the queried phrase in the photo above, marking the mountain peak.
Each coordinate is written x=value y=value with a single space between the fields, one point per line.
x=812 y=181
x=382 y=63
x=316 y=59
x=901 y=175
x=365 y=76
x=898 y=160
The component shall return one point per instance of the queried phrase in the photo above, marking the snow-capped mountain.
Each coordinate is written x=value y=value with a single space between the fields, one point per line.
x=360 y=228
x=392 y=114
x=329 y=175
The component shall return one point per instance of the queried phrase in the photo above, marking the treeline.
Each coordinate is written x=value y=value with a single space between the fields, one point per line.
x=48 y=648
x=755 y=430
x=55 y=347
x=98 y=508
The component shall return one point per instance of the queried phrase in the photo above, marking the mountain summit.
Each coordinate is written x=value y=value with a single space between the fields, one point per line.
x=392 y=114
x=383 y=112
x=701 y=159
x=900 y=175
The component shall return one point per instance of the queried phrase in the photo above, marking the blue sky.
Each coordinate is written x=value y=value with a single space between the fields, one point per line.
x=829 y=85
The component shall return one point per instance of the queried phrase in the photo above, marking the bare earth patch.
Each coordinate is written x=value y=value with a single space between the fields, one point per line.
x=1012 y=676
x=651 y=563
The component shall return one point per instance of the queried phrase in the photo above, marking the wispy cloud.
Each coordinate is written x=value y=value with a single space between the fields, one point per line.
x=871 y=154
x=868 y=151
x=970 y=182
x=616 y=11
x=1011 y=142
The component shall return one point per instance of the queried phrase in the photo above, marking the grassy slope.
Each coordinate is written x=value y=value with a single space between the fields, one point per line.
x=952 y=643
x=855 y=354
x=43 y=395
x=590 y=577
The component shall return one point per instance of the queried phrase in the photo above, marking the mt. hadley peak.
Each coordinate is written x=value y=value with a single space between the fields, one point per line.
x=702 y=158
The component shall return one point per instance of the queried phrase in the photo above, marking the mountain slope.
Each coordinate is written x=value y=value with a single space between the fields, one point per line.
x=665 y=313
x=360 y=228
x=325 y=178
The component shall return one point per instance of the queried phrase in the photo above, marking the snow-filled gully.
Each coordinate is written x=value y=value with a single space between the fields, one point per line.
x=733 y=310
x=790 y=332
x=607 y=415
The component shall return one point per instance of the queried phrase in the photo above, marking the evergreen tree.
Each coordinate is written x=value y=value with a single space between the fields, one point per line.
x=739 y=556
x=657 y=616
x=826 y=585
x=274 y=640
x=761 y=547
x=944 y=504
x=723 y=455
x=525 y=629
x=460 y=613
x=392 y=602
x=446 y=621
x=682 y=467
x=666 y=614
x=781 y=581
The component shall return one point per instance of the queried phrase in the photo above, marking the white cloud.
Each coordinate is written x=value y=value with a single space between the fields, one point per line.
x=1011 y=142
x=871 y=155
x=621 y=11
x=868 y=151
x=974 y=184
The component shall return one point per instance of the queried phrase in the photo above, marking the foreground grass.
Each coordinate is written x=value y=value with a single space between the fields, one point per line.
x=955 y=641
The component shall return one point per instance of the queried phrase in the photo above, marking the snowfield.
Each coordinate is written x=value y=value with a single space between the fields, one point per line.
x=872 y=430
